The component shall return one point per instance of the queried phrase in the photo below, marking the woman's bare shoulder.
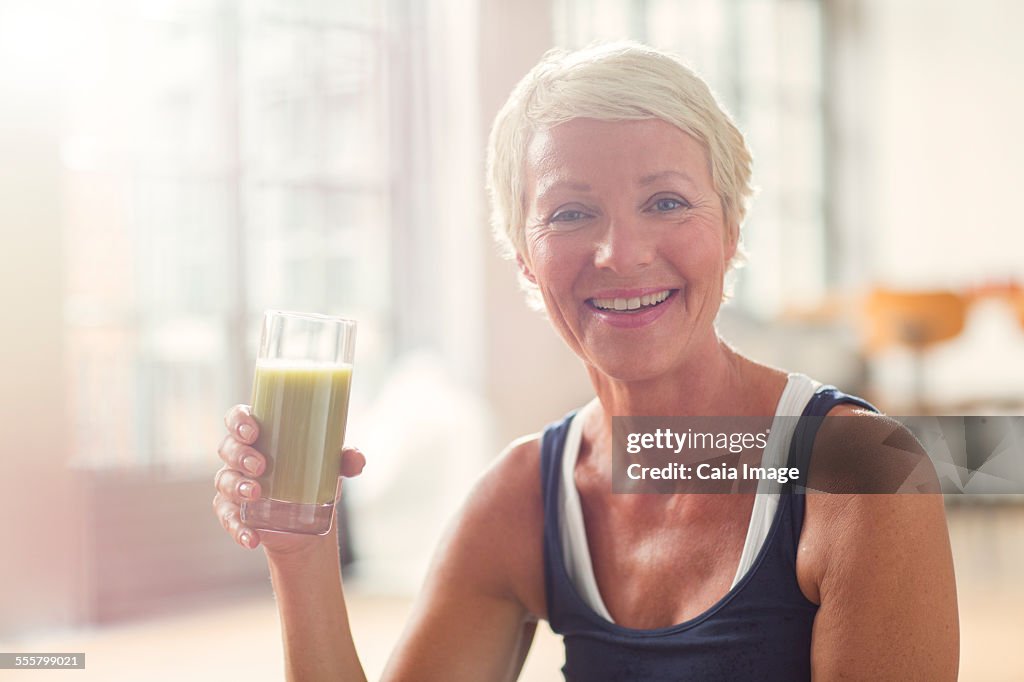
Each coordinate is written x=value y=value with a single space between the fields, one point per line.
x=513 y=478
x=860 y=451
x=859 y=458
x=503 y=518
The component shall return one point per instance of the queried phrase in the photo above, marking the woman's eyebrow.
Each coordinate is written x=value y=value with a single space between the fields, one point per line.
x=560 y=185
x=655 y=177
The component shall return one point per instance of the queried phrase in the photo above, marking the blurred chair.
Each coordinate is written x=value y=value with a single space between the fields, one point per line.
x=1017 y=301
x=917 y=320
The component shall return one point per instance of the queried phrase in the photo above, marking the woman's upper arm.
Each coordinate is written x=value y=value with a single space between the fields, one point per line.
x=887 y=589
x=473 y=618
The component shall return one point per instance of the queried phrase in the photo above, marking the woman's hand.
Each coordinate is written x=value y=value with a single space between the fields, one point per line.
x=236 y=482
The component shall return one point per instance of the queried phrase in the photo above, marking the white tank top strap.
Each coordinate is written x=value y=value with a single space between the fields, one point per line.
x=799 y=389
x=575 y=548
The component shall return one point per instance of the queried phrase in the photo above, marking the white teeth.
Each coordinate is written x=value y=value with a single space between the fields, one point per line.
x=631 y=303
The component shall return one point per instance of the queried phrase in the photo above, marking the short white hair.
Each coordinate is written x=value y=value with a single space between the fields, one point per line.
x=619 y=81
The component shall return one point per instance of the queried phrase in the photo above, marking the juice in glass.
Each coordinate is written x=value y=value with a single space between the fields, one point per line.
x=300 y=400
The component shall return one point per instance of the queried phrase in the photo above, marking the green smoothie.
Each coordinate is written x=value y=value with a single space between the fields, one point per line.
x=301 y=408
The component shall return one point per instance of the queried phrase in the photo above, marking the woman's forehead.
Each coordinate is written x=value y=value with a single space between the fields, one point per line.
x=637 y=150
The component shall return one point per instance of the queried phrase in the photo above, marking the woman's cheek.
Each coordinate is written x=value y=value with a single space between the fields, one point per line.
x=550 y=263
x=704 y=252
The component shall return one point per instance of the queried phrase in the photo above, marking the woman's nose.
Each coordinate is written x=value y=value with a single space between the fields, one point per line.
x=624 y=247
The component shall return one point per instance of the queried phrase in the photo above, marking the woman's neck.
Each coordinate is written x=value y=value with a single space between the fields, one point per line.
x=715 y=381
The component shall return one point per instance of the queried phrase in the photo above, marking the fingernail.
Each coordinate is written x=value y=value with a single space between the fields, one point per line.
x=245 y=431
x=245 y=538
x=252 y=463
x=245 y=489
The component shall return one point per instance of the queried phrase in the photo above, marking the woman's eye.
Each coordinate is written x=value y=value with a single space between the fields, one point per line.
x=568 y=216
x=667 y=204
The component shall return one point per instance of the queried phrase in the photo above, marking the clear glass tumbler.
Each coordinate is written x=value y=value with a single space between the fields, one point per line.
x=300 y=399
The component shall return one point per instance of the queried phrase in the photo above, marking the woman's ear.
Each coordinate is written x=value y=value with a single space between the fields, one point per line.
x=525 y=269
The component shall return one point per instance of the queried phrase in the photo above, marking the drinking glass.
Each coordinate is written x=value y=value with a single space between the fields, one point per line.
x=300 y=400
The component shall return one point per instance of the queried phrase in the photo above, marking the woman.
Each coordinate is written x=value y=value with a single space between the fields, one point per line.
x=619 y=186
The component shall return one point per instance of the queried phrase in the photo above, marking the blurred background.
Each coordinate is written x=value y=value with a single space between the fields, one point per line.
x=171 y=168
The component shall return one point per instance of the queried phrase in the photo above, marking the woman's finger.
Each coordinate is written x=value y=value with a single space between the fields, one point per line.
x=352 y=462
x=236 y=487
x=232 y=523
x=242 y=424
x=238 y=455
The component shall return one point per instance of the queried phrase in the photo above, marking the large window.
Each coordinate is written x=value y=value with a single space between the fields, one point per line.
x=764 y=60
x=222 y=157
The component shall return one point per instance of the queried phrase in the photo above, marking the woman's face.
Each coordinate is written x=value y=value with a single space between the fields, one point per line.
x=626 y=240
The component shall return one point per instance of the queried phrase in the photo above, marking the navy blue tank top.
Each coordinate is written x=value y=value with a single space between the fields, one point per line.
x=760 y=630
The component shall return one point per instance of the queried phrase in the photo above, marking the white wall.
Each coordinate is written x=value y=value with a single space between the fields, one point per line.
x=947 y=104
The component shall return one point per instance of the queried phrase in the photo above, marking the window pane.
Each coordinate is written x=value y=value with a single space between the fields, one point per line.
x=231 y=157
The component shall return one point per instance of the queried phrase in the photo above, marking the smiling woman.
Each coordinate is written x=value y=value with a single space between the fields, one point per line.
x=619 y=187
x=608 y=224
x=650 y=87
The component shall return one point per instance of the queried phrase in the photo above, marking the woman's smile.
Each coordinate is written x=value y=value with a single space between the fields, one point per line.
x=632 y=308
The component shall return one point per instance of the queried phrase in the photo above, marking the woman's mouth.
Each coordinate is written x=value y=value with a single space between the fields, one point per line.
x=634 y=305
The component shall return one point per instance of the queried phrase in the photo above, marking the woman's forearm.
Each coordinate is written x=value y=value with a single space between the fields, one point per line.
x=314 y=622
